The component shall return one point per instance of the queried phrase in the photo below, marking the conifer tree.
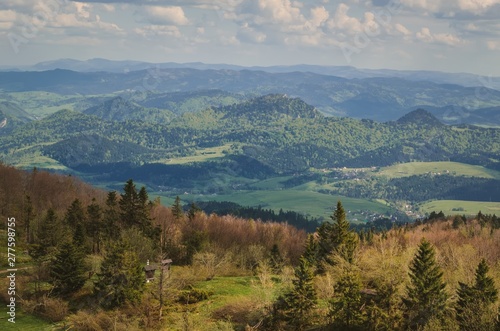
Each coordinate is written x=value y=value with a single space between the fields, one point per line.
x=121 y=279
x=111 y=217
x=346 y=307
x=75 y=214
x=426 y=296
x=337 y=238
x=193 y=210
x=177 y=209
x=301 y=300
x=129 y=204
x=50 y=234
x=474 y=304
x=67 y=271
x=311 y=252
x=94 y=225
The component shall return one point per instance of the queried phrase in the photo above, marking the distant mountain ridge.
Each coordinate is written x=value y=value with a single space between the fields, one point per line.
x=99 y=64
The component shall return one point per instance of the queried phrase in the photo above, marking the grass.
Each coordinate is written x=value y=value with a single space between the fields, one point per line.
x=306 y=202
x=201 y=155
x=453 y=168
x=39 y=161
x=452 y=207
x=24 y=322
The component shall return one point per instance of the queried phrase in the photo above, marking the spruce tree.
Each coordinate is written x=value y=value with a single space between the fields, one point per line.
x=75 y=214
x=336 y=238
x=474 y=304
x=193 y=210
x=111 y=217
x=177 y=209
x=301 y=300
x=95 y=225
x=426 y=296
x=346 y=307
x=121 y=278
x=67 y=270
x=311 y=251
x=129 y=204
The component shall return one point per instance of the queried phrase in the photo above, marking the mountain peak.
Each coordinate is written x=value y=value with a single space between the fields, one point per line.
x=272 y=105
x=420 y=117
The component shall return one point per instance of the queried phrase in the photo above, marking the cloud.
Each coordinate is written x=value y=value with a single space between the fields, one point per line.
x=426 y=36
x=158 y=31
x=493 y=45
x=165 y=15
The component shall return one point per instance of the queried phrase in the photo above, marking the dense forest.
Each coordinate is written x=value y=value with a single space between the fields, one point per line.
x=82 y=254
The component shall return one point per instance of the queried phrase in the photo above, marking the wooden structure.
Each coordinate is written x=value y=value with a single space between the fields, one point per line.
x=150 y=269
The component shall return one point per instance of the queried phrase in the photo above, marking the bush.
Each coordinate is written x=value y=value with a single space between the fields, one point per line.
x=193 y=295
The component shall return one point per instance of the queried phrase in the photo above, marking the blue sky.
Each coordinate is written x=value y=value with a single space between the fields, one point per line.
x=444 y=35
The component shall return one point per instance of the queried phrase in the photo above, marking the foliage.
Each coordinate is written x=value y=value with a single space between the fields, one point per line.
x=336 y=238
x=426 y=296
x=347 y=305
x=299 y=302
x=474 y=302
x=68 y=270
x=121 y=279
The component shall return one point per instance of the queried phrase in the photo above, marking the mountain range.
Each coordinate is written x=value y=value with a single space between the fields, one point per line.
x=377 y=98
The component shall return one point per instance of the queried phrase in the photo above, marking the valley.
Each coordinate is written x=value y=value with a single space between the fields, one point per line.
x=272 y=151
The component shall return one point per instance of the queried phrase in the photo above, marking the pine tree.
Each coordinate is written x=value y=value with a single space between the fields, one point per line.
x=94 y=225
x=426 y=296
x=177 y=209
x=301 y=300
x=474 y=304
x=193 y=210
x=121 y=279
x=111 y=217
x=50 y=234
x=337 y=238
x=75 y=214
x=67 y=270
x=346 y=308
x=129 y=204
x=311 y=251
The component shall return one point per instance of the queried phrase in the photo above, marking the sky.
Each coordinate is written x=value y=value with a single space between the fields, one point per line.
x=441 y=35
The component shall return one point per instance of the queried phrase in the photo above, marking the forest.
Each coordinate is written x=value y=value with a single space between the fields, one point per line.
x=82 y=252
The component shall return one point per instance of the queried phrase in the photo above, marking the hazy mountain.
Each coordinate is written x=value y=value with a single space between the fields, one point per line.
x=349 y=72
x=382 y=99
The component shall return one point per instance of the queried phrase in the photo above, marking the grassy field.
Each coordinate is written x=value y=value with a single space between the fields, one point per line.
x=41 y=162
x=201 y=155
x=452 y=207
x=309 y=203
x=24 y=322
x=453 y=168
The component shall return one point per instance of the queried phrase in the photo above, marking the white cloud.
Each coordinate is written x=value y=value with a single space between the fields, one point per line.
x=426 y=36
x=248 y=34
x=158 y=30
x=402 y=29
x=493 y=45
x=165 y=15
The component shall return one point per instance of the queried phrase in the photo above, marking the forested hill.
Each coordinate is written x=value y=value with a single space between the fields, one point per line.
x=377 y=98
x=277 y=131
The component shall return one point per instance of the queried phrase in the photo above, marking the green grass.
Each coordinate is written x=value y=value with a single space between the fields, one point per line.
x=201 y=155
x=306 y=202
x=24 y=322
x=223 y=287
x=452 y=207
x=271 y=183
x=452 y=168
x=41 y=162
